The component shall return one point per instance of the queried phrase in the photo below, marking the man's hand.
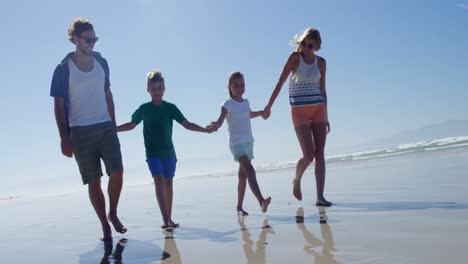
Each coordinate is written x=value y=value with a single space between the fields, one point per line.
x=66 y=146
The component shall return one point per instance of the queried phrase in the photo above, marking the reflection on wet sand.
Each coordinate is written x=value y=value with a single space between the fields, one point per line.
x=325 y=256
x=170 y=254
x=257 y=255
x=116 y=257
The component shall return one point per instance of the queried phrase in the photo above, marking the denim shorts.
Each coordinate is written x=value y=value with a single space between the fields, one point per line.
x=242 y=149
x=164 y=167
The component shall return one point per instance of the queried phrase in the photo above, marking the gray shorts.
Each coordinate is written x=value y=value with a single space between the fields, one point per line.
x=93 y=143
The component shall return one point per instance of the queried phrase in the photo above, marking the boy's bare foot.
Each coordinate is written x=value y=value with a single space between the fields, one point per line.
x=106 y=234
x=323 y=202
x=118 y=226
x=241 y=212
x=297 y=189
x=169 y=225
x=265 y=204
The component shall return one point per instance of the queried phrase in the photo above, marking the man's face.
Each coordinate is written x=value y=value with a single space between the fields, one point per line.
x=85 y=42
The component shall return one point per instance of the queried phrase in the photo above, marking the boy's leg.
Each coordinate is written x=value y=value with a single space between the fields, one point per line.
x=160 y=197
x=249 y=170
x=241 y=191
x=168 y=196
x=98 y=201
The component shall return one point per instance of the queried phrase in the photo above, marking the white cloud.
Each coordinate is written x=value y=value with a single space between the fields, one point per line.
x=463 y=6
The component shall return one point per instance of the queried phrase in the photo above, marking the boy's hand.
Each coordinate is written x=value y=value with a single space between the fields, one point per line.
x=213 y=126
x=66 y=146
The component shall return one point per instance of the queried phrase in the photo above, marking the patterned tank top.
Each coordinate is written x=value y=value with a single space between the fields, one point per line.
x=304 y=84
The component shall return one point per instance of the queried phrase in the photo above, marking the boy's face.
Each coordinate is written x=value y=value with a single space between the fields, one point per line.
x=156 y=90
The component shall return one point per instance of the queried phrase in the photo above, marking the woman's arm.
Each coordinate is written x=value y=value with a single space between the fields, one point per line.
x=292 y=63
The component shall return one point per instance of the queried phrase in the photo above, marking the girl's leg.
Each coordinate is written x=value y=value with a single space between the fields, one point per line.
x=249 y=170
x=241 y=191
x=304 y=136
x=320 y=135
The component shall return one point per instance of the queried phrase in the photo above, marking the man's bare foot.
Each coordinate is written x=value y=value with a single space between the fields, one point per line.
x=297 y=189
x=241 y=212
x=265 y=204
x=106 y=234
x=323 y=202
x=118 y=226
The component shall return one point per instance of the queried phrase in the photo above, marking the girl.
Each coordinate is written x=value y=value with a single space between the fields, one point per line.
x=308 y=99
x=236 y=110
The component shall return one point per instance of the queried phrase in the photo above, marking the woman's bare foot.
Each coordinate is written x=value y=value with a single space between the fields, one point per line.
x=170 y=225
x=265 y=204
x=241 y=212
x=118 y=226
x=297 y=189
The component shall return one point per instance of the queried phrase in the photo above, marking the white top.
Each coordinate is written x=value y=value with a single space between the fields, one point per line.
x=238 y=120
x=88 y=104
x=304 y=84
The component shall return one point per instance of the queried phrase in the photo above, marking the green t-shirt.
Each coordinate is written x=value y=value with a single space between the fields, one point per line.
x=157 y=127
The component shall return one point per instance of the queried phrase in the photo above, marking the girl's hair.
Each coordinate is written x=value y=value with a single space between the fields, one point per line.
x=77 y=27
x=232 y=76
x=310 y=33
x=155 y=76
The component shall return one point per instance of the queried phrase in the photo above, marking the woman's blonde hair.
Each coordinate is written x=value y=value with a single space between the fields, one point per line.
x=155 y=76
x=310 y=33
x=232 y=76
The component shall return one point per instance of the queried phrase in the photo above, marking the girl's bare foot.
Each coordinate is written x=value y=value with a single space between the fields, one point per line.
x=241 y=212
x=106 y=234
x=118 y=226
x=265 y=204
x=297 y=189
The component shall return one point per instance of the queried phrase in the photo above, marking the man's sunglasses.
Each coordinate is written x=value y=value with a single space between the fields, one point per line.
x=304 y=44
x=90 y=40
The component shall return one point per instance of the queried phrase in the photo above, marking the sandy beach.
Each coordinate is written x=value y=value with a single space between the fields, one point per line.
x=410 y=209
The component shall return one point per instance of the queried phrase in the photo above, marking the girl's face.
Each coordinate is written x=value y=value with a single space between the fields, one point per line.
x=156 y=90
x=237 y=87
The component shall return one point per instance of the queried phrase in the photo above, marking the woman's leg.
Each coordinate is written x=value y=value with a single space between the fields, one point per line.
x=319 y=131
x=304 y=136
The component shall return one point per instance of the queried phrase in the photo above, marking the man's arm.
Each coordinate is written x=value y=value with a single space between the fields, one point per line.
x=59 y=110
x=110 y=104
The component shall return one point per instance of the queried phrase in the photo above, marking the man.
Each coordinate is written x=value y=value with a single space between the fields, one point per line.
x=84 y=111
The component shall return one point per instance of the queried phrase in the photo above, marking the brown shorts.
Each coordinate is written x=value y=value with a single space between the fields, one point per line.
x=309 y=114
x=93 y=143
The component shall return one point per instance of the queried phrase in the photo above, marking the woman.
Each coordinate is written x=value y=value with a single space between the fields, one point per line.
x=308 y=99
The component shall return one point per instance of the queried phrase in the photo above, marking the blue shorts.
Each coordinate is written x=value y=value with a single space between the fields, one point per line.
x=242 y=149
x=162 y=167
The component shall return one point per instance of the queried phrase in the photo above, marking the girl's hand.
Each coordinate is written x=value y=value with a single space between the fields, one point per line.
x=212 y=127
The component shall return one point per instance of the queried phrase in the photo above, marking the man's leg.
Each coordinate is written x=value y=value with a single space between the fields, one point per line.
x=99 y=203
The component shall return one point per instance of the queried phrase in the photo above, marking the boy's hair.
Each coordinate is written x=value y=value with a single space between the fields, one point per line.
x=155 y=76
x=77 y=27
x=310 y=33
x=232 y=76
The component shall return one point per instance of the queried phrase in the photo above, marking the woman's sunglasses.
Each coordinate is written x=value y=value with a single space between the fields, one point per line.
x=90 y=40
x=310 y=46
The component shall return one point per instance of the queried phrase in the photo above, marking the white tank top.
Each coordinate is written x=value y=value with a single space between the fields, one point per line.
x=304 y=84
x=87 y=97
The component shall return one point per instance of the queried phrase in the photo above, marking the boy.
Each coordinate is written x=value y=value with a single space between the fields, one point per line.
x=157 y=117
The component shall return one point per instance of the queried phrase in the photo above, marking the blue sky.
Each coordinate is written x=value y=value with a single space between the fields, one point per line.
x=392 y=66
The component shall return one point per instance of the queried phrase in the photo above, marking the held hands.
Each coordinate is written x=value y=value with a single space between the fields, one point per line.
x=66 y=146
x=212 y=127
x=266 y=112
